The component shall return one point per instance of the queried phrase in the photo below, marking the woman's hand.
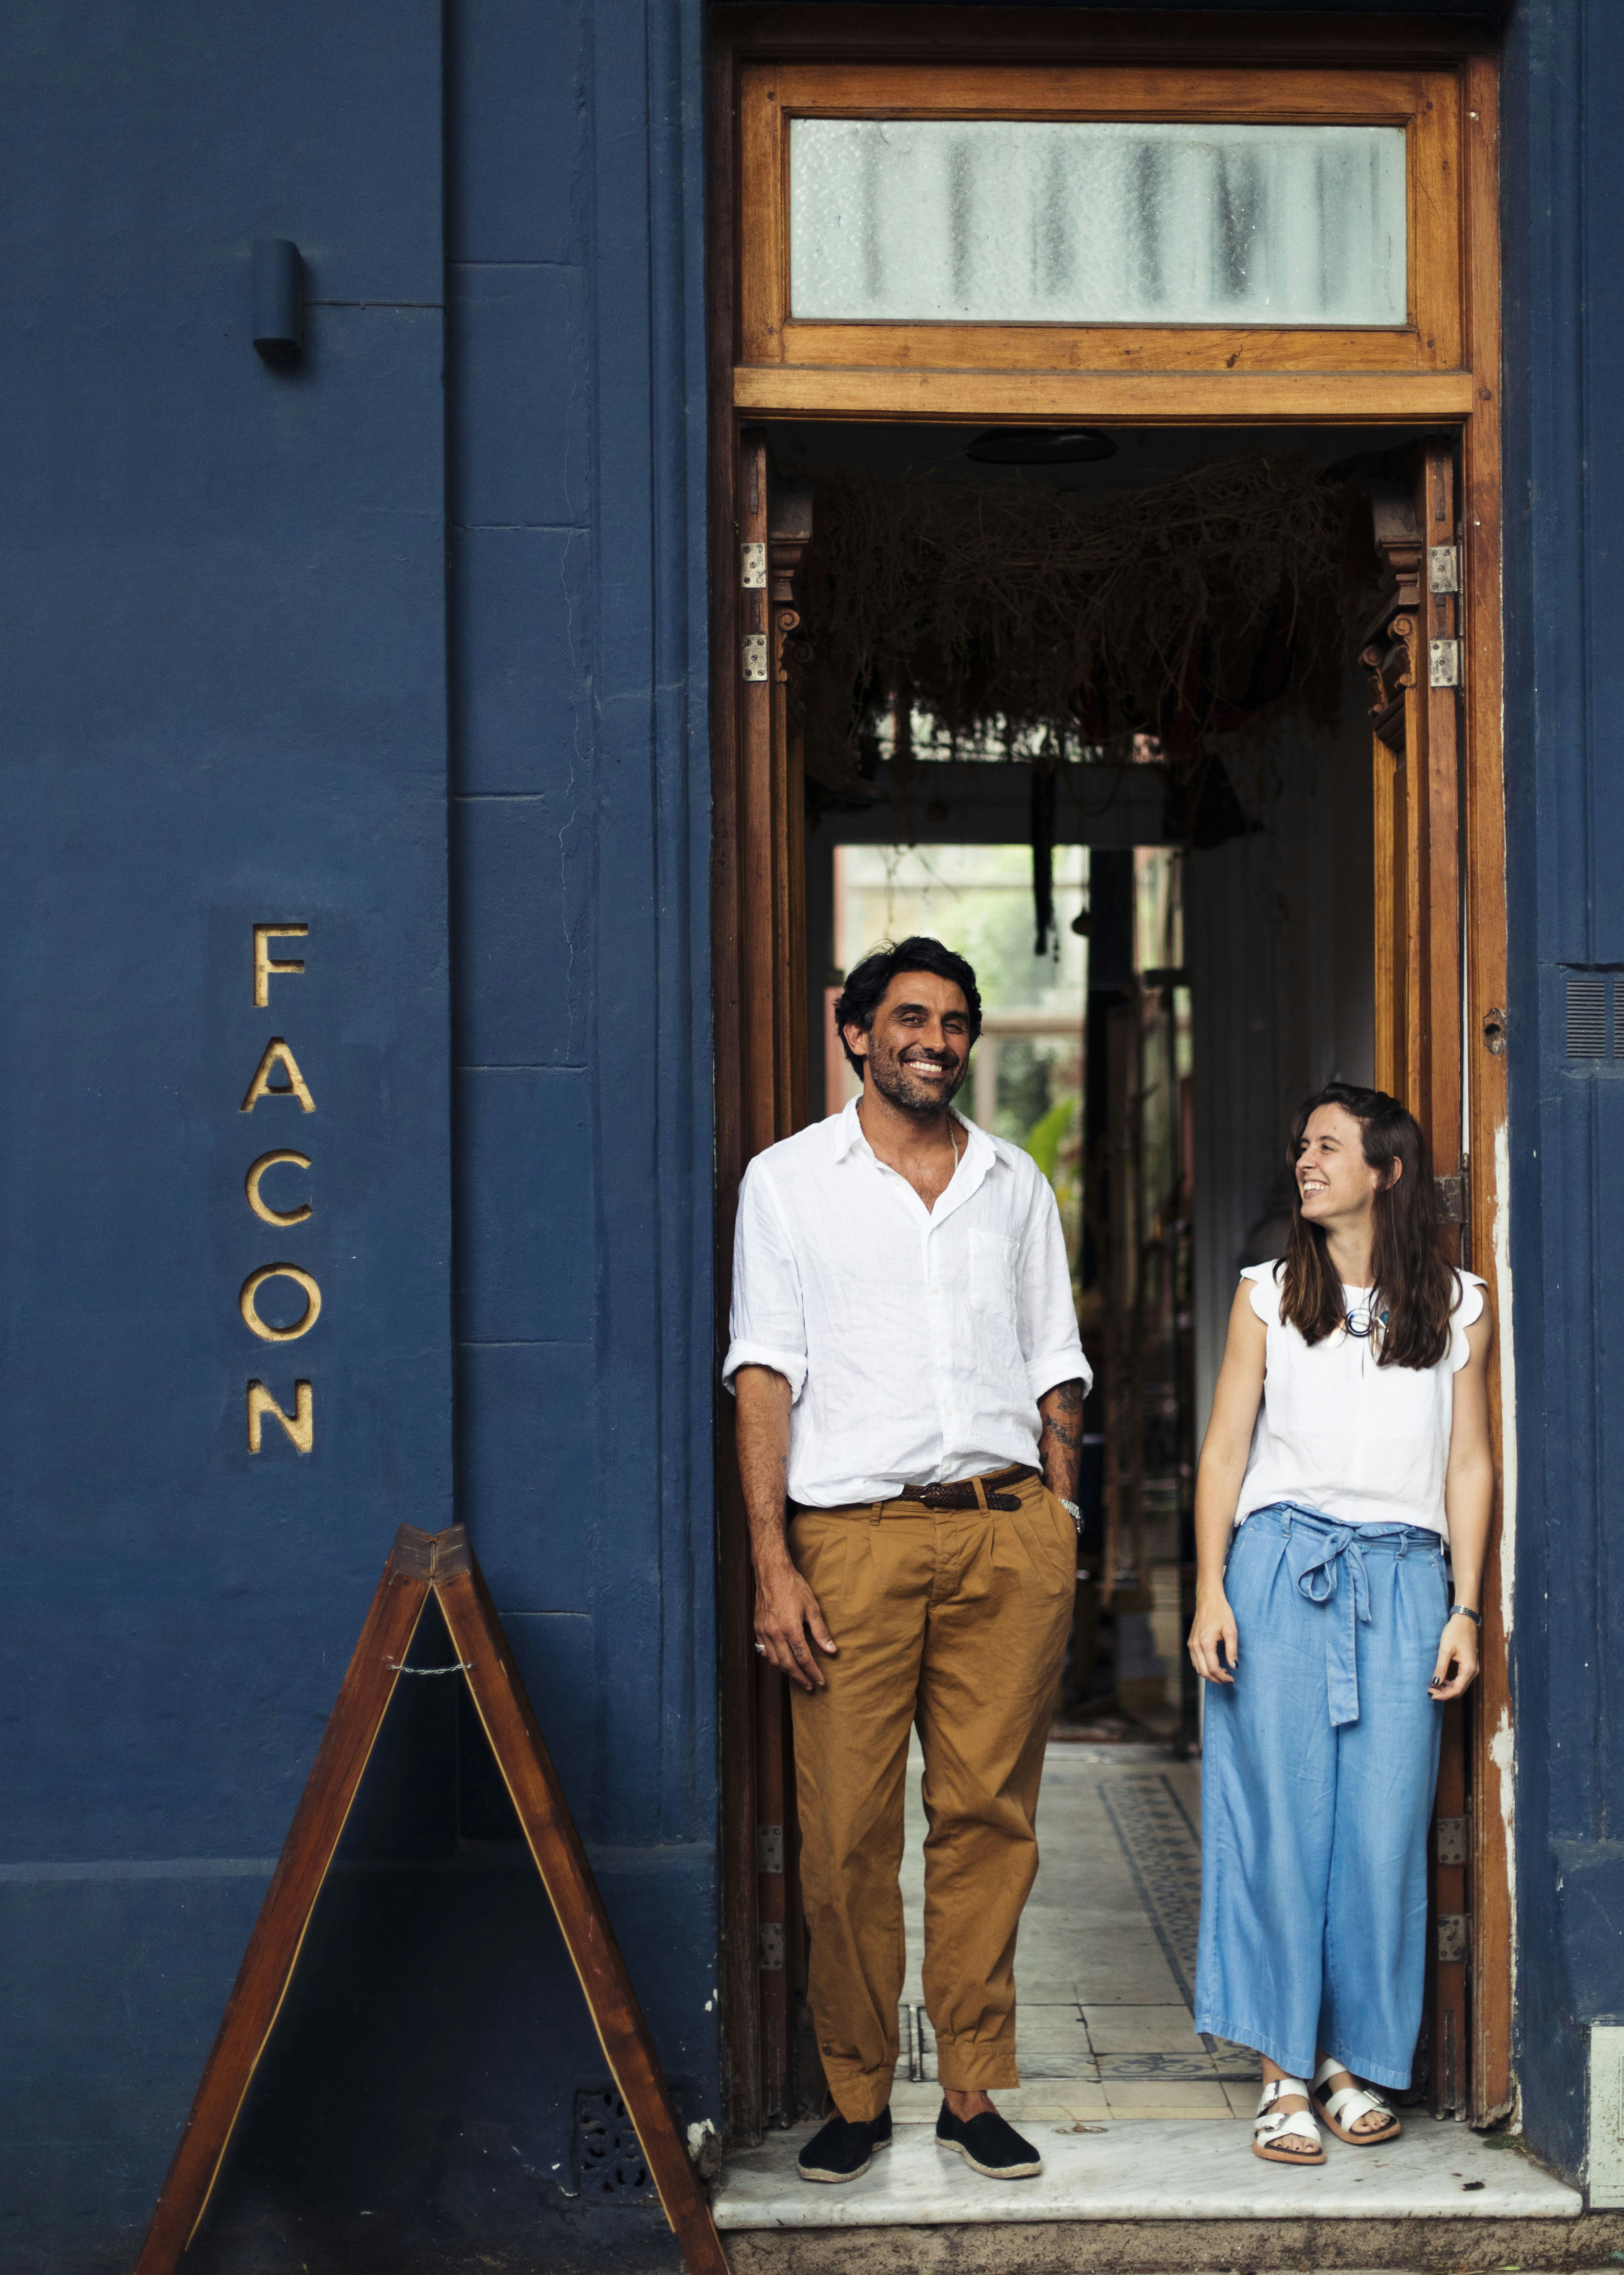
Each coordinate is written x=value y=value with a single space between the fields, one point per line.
x=1457 y=1647
x=1214 y=1625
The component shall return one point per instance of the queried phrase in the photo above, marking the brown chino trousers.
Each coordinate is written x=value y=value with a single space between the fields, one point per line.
x=956 y=1619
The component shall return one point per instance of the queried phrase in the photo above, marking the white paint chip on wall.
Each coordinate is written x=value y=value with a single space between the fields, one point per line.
x=1606 y=2159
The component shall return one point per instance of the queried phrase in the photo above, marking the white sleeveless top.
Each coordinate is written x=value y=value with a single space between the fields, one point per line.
x=1362 y=1443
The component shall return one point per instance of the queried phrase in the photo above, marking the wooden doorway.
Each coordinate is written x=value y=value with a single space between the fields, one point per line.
x=1445 y=960
x=1420 y=787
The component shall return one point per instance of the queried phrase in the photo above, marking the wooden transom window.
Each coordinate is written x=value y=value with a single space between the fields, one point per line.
x=1101 y=219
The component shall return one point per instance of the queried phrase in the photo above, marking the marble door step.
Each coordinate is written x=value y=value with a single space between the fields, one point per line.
x=1177 y=2170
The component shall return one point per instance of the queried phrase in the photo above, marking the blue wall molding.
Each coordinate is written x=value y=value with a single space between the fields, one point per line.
x=1564 y=108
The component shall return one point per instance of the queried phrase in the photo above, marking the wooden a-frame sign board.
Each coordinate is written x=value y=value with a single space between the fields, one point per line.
x=421 y=1565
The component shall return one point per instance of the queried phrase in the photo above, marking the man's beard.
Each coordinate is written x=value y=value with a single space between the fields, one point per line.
x=907 y=1091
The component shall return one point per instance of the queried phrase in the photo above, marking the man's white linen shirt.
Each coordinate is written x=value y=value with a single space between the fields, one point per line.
x=916 y=1342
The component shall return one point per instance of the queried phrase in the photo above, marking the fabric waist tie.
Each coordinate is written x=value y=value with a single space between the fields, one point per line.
x=1318 y=1579
x=1319 y=1551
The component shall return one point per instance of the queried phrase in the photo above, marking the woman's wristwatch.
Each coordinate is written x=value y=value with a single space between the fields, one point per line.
x=1465 y=1612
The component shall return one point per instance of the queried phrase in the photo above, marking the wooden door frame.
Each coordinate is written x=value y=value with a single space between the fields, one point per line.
x=754 y=1043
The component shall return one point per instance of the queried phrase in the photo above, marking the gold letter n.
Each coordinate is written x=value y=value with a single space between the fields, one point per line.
x=300 y=1425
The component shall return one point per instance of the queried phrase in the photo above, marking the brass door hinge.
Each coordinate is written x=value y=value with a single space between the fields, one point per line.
x=1455 y=1194
x=753 y=573
x=769 y=1848
x=772 y=1935
x=755 y=655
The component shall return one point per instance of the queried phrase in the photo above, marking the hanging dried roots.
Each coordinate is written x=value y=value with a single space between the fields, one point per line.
x=1032 y=618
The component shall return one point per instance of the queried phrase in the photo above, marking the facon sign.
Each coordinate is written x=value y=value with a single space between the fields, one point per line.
x=278 y=1058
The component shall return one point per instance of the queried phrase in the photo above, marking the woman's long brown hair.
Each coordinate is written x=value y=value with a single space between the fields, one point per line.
x=1414 y=1285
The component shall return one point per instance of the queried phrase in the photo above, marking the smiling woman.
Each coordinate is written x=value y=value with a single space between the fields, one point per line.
x=1353 y=1149
x=1347 y=1463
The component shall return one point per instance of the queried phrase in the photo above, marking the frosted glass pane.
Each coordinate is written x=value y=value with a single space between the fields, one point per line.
x=1018 y=220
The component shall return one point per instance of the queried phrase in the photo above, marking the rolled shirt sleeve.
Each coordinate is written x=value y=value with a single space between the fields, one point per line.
x=1045 y=1315
x=766 y=1325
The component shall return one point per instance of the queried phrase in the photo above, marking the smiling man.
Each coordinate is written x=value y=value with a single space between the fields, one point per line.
x=910 y=1383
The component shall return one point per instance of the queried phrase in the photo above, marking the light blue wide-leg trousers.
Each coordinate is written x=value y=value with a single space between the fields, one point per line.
x=1317 y=1773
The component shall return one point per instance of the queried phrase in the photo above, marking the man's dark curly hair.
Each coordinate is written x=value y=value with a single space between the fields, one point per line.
x=867 y=983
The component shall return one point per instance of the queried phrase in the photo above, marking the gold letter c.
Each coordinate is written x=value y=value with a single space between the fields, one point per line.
x=251 y=1285
x=263 y=1208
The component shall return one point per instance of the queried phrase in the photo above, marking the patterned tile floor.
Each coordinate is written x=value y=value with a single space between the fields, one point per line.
x=1106 y=1969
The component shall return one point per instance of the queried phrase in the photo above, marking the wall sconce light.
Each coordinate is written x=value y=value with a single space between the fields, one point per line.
x=278 y=300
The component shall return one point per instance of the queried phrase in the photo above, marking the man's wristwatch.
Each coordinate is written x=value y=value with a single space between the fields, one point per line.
x=1072 y=1511
x=1465 y=1612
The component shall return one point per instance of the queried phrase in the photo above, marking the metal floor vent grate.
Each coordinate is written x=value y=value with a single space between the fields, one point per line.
x=608 y=2156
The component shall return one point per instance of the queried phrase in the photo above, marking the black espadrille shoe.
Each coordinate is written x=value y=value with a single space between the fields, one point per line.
x=988 y=2145
x=843 y=2150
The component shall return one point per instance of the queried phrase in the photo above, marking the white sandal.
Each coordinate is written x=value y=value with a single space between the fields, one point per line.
x=1293 y=2124
x=1343 y=2110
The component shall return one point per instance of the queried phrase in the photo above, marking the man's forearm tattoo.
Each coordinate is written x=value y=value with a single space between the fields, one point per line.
x=1062 y=1425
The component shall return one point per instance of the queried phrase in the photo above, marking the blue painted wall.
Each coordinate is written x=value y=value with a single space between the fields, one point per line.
x=224 y=674
x=402 y=644
x=1565 y=763
x=580 y=863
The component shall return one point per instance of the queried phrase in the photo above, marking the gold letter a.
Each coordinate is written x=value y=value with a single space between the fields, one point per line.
x=277 y=1054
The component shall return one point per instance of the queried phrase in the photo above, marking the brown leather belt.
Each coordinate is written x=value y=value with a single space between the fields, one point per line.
x=962 y=1496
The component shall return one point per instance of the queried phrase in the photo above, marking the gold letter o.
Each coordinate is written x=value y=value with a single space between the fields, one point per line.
x=251 y=1285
